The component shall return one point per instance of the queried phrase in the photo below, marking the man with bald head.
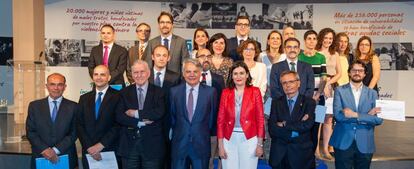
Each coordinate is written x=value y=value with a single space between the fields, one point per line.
x=288 y=32
x=96 y=127
x=140 y=113
x=50 y=124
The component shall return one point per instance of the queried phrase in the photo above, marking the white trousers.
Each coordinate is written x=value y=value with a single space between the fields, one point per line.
x=241 y=153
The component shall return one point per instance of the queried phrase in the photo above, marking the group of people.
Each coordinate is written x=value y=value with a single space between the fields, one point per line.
x=182 y=109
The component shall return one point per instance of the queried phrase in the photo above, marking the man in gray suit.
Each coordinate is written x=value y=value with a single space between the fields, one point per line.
x=137 y=52
x=175 y=44
x=50 y=124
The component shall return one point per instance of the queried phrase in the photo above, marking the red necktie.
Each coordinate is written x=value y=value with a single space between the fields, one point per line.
x=106 y=55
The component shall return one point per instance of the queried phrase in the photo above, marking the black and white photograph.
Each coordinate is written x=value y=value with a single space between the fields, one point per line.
x=63 y=52
x=224 y=15
x=395 y=56
x=299 y=16
x=190 y=15
x=6 y=49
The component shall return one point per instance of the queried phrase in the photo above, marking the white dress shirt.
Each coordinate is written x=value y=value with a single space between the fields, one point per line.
x=209 y=79
x=356 y=91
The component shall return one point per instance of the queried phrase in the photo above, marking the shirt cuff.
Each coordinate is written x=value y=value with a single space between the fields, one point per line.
x=141 y=124
x=136 y=114
x=56 y=150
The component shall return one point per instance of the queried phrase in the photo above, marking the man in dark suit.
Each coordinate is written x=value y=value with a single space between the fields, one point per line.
x=96 y=126
x=136 y=52
x=290 y=124
x=164 y=78
x=356 y=117
x=214 y=80
x=192 y=108
x=175 y=44
x=307 y=81
x=110 y=54
x=140 y=111
x=242 y=34
x=50 y=124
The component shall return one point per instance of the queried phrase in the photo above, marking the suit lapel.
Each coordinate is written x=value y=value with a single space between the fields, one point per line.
x=148 y=97
x=173 y=44
x=91 y=112
x=350 y=97
x=199 y=104
x=45 y=111
x=60 y=115
x=296 y=109
x=99 y=59
x=134 y=97
x=184 y=104
x=299 y=67
x=151 y=78
x=244 y=105
x=362 y=98
x=112 y=54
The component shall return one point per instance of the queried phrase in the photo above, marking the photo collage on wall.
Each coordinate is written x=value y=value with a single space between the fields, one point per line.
x=6 y=49
x=224 y=15
x=395 y=56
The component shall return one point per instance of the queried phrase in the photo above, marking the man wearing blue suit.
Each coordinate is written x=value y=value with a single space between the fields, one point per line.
x=307 y=81
x=192 y=108
x=355 y=115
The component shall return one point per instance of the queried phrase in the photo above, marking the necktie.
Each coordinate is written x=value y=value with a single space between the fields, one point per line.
x=158 y=79
x=290 y=103
x=204 y=79
x=190 y=104
x=141 y=52
x=166 y=43
x=54 y=111
x=140 y=99
x=106 y=55
x=292 y=66
x=98 y=102
x=241 y=41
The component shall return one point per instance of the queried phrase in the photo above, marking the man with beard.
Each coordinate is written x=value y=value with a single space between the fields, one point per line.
x=175 y=44
x=356 y=117
x=307 y=84
x=214 y=80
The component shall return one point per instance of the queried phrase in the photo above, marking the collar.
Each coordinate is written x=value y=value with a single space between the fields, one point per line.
x=109 y=46
x=143 y=87
x=356 y=88
x=188 y=87
x=294 y=98
x=163 y=70
x=103 y=91
x=242 y=38
x=295 y=61
x=59 y=100
x=169 y=37
x=208 y=72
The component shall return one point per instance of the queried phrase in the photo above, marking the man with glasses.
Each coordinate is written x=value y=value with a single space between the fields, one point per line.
x=356 y=117
x=214 y=80
x=143 y=32
x=291 y=120
x=175 y=44
x=242 y=34
x=304 y=70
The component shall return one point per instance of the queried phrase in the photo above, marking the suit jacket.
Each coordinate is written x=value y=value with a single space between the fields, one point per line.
x=178 y=52
x=104 y=129
x=251 y=115
x=297 y=149
x=133 y=53
x=307 y=80
x=217 y=82
x=232 y=48
x=171 y=79
x=154 y=110
x=360 y=129
x=196 y=132
x=42 y=133
x=117 y=62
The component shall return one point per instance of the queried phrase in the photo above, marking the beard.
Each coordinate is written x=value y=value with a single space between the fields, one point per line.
x=356 y=80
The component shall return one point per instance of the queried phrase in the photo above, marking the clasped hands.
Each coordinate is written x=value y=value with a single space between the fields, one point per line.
x=283 y=123
x=131 y=113
x=351 y=114
x=50 y=155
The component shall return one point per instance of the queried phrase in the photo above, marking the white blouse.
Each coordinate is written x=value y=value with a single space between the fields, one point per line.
x=259 y=77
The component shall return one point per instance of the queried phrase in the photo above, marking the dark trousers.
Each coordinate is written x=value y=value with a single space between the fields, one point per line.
x=352 y=158
x=138 y=160
x=191 y=159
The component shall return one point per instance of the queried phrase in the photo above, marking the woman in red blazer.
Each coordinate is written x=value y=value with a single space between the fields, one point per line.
x=240 y=122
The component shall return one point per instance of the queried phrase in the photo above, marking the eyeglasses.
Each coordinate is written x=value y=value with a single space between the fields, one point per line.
x=204 y=56
x=357 y=70
x=288 y=82
x=249 y=49
x=165 y=22
x=145 y=31
x=292 y=47
x=246 y=25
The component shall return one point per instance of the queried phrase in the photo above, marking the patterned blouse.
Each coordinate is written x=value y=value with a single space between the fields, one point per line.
x=224 y=68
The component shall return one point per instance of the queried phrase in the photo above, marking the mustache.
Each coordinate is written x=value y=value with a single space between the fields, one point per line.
x=292 y=52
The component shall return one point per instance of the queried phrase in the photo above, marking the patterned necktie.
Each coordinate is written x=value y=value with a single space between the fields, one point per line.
x=166 y=43
x=158 y=79
x=140 y=99
x=106 y=55
x=190 y=105
x=292 y=66
x=141 y=52
x=204 y=79
x=98 y=104
x=54 y=111
x=290 y=103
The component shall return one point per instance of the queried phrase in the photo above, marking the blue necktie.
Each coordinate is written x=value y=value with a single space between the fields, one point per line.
x=166 y=43
x=98 y=104
x=290 y=103
x=158 y=79
x=54 y=111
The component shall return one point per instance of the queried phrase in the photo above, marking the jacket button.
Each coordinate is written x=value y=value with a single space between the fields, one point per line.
x=246 y=121
x=354 y=128
x=229 y=122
